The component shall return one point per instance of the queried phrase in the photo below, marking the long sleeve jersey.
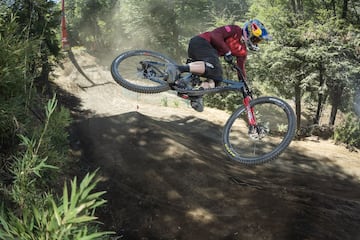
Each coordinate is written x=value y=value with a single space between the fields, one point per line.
x=228 y=38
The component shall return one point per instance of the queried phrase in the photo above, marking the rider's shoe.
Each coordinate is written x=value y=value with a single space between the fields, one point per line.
x=197 y=104
x=171 y=73
x=183 y=84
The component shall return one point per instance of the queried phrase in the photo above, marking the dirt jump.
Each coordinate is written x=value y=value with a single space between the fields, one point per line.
x=167 y=176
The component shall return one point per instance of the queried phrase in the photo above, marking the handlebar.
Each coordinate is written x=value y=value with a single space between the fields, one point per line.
x=239 y=71
x=246 y=89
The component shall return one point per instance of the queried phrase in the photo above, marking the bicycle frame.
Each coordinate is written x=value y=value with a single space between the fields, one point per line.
x=230 y=85
x=247 y=95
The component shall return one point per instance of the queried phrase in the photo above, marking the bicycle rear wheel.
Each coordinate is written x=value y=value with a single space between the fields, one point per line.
x=141 y=71
x=275 y=130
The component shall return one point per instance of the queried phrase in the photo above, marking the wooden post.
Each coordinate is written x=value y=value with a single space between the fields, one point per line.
x=64 y=38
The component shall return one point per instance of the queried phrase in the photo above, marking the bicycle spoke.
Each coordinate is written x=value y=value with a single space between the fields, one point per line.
x=264 y=141
x=141 y=71
x=135 y=71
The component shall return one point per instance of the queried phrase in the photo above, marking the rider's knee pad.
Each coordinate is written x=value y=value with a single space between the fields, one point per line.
x=213 y=72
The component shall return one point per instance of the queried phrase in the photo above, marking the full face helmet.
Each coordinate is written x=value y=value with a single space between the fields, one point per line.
x=253 y=33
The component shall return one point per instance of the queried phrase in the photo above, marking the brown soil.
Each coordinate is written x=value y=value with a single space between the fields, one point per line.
x=167 y=177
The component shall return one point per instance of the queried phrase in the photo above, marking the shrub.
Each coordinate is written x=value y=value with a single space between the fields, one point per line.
x=69 y=219
x=349 y=132
x=55 y=143
x=29 y=212
x=14 y=80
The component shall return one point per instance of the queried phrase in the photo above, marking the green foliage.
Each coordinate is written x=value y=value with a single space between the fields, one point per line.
x=55 y=141
x=20 y=63
x=26 y=169
x=12 y=64
x=38 y=19
x=39 y=216
x=88 y=22
x=164 y=102
x=29 y=165
x=224 y=101
x=160 y=25
x=28 y=41
x=65 y=220
x=176 y=103
x=313 y=52
x=15 y=81
x=349 y=131
x=12 y=119
x=35 y=26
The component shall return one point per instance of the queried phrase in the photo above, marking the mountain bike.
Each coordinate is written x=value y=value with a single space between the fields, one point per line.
x=258 y=131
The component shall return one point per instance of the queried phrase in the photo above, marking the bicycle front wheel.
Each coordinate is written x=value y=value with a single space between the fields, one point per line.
x=264 y=142
x=141 y=71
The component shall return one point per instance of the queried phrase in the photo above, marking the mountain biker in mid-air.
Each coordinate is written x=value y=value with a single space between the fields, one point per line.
x=204 y=51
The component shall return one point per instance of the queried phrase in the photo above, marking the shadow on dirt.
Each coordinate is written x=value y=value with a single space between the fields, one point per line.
x=78 y=67
x=170 y=179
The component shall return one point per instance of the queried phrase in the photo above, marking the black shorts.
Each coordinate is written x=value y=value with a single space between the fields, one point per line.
x=201 y=50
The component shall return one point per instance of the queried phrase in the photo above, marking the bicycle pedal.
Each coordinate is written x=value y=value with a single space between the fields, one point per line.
x=184 y=96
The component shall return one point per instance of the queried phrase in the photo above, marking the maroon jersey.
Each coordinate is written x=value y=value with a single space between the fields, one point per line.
x=228 y=38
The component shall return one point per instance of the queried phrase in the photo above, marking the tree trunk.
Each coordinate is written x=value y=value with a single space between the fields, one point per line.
x=299 y=5
x=335 y=103
x=44 y=75
x=320 y=95
x=333 y=6
x=354 y=11
x=344 y=9
x=298 y=105
x=319 y=109
x=293 y=6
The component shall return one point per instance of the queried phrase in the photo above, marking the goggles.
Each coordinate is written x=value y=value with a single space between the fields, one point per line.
x=255 y=40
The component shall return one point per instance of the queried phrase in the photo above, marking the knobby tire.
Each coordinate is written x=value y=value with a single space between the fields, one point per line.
x=159 y=86
x=239 y=156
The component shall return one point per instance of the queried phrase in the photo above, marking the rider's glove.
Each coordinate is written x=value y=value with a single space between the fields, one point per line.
x=228 y=57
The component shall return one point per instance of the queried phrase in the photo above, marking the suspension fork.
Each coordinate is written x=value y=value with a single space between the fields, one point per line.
x=249 y=109
x=247 y=97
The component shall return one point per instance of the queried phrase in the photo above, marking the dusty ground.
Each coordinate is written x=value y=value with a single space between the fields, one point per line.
x=167 y=177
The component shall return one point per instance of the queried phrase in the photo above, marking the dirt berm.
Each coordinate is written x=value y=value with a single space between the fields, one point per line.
x=167 y=177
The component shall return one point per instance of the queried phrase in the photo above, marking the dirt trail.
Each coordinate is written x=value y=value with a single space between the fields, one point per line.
x=167 y=177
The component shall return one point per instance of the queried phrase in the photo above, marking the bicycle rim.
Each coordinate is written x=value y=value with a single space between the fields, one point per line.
x=132 y=71
x=275 y=130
